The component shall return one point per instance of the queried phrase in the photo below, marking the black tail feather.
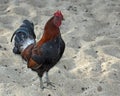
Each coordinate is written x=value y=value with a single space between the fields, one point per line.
x=30 y=26
x=27 y=27
x=25 y=31
x=13 y=36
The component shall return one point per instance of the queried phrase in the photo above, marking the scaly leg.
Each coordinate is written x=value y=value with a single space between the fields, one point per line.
x=41 y=83
x=48 y=80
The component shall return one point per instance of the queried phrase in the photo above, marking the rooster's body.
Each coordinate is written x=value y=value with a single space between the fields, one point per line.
x=48 y=51
x=44 y=54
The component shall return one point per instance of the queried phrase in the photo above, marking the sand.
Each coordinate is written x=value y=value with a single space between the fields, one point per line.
x=90 y=65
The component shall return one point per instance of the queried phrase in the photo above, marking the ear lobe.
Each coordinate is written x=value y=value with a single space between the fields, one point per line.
x=58 y=24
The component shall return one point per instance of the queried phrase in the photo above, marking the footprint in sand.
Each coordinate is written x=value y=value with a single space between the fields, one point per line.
x=112 y=51
x=66 y=65
x=4 y=1
x=7 y=21
x=21 y=11
x=3 y=8
x=38 y=3
x=91 y=52
x=104 y=42
x=3 y=39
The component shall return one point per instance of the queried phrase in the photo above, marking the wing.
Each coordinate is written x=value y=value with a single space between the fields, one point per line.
x=51 y=51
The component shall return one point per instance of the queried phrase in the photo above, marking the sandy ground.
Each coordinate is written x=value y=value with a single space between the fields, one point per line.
x=90 y=65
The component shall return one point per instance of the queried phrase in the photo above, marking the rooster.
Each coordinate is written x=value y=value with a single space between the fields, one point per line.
x=24 y=36
x=48 y=50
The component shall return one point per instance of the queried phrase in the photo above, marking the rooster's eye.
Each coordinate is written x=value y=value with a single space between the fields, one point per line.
x=58 y=18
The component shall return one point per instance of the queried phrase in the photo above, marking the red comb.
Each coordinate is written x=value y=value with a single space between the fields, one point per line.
x=58 y=13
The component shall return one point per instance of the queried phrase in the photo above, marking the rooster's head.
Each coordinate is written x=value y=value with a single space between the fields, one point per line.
x=58 y=17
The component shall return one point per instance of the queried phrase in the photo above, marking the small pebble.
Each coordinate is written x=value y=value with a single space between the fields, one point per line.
x=65 y=67
x=5 y=48
x=99 y=88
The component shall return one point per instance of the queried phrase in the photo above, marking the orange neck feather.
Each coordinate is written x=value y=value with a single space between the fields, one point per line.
x=50 y=32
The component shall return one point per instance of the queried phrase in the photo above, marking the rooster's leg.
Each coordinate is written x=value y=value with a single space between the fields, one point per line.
x=41 y=83
x=48 y=80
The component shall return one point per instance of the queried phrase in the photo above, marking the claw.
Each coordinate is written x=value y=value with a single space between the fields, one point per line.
x=48 y=80
x=50 y=84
